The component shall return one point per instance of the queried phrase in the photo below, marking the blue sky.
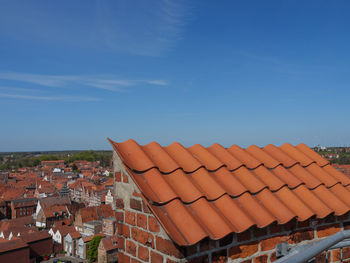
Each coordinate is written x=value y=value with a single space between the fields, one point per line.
x=234 y=72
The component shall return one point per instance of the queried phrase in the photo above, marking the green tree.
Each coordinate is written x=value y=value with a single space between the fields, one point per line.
x=93 y=247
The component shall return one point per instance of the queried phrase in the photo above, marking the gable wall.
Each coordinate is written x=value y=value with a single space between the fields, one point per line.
x=140 y=236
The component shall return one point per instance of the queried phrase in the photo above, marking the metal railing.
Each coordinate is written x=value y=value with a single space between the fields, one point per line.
x=307 y=253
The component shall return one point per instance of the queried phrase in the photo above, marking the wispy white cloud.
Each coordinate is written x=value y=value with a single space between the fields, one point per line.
x=148 y=28
x=48 y=98
x=67 y=81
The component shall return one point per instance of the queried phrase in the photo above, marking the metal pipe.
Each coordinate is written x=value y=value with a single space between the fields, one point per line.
x=304 y=253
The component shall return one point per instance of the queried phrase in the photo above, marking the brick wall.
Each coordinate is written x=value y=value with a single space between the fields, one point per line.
x=142 y=239
x=258 y=245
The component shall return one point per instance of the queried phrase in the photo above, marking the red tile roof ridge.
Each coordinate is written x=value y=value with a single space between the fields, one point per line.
x=131 y=153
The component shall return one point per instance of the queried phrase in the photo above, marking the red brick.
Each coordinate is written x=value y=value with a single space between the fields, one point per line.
x=243 y=251
x=142 y=221
x=136 y=194
x=244 y=236
x=156 y=258
x=273 y=257
x=336 y=254
x=168 y=247
x=123 y=230
x=125 y=178
x=145 y=208
x=270 y=243
x=134 y=260
x=121 y=243
x=301 y=235
x=219 y=256
x=261 y=259
x=329 y=230
x=153 y=224
x=122 y=258
x=130 y=218
x=119 y=203
x=321 y=258
x=142 y=237
x=170 y=261
x=207 y=244
x=143 y=253
x=135 y=204
x=119 y=216
x=201 y=259
x=118 y=177
x=130 y=248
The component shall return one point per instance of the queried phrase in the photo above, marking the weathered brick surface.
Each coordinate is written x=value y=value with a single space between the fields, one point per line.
x=142 y=221
x=130 y=247
x=121 y=243
x=324 y=231
x=153 y=224
x=124 y=230
x=243 y=251
x=299 y=236
x=168 y=247
x=125 y=178
x=130 y=218
x=136 y=194
x=135 y=204
x=270 y=243
x=123 y=258
x=145 y=208
x=119 y=203
x=219 y=256
x=346 y=254
x=143 y=253
x=261 y=259
x=142 y=237
x=156 y=257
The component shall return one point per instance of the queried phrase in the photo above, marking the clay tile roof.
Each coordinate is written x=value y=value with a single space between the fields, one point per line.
x=8 y=245
x=200 y=192
x=109 y=244
x=35 y=236
x=75 y=235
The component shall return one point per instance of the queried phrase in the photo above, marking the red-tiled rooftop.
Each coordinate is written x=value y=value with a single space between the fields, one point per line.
x=199 y=192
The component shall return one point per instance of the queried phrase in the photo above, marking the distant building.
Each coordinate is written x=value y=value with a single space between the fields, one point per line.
x=92 y=227
x=108 y=250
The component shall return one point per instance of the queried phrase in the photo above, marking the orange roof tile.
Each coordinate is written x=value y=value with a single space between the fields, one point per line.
x=200 y=192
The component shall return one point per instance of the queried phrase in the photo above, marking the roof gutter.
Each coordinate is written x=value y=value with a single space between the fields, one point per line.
x=301 y=254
